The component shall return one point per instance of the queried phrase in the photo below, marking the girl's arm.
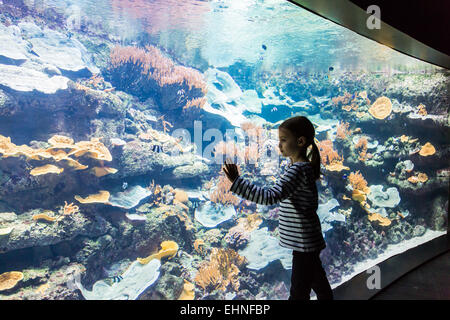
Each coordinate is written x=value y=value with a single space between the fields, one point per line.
x=268 y=196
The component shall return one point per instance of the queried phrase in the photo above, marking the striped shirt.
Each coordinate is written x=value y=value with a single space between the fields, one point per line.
x=299 y=225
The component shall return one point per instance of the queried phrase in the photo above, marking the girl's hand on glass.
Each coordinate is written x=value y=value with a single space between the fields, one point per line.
x=231 y=170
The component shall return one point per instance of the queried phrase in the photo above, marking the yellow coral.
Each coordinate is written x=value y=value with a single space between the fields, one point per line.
x=103 y=171
x=43 y=216
x=421 y=177
x=197 y=244
x=382 y=220
x=358 y=182
x=188 y=291
x=342 y=131
x=381 y=108
x=58 y=141
x=101 y=197
x=48 y=168
x=337 y=166
x=222 y=193
x=70 y=208
x=427 y=150
x=181 y=196
x=168 y=248
x=93 y=148
x=221 y=270
x=9 y=280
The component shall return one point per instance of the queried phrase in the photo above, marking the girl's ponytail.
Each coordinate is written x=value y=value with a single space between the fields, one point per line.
x=315 y=160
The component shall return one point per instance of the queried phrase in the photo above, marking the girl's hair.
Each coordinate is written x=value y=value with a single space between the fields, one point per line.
x=301 y=127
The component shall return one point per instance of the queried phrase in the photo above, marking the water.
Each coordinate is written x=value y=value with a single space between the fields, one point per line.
x=115 y=117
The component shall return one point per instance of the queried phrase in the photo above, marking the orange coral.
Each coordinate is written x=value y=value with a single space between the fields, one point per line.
x=342 y=131
x=421 y=110
x=381 y=108
x=222 y=193
x=327 y=154
x=196 y=103
x=221 y=270
x=48 y=168
x=43 y=216
x=70 y=208
x=197 y=244
x=168 y=248
x=157 y=67
x=358 y=182
x=250 y=223
x=345 y=99
x=101 y=197
x=427 y=150
x=420 y=177
x=188 y=291
x=9 y=280
x=382 y=220
x=362 y=144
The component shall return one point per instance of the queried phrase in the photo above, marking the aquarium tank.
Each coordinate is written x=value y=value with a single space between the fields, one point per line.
x=116 y=117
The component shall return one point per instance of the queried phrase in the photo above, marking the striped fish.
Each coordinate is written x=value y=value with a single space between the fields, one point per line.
x=157 y=148
x=116 y=279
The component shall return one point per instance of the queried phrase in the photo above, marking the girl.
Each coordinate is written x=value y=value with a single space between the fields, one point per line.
x=299 y=225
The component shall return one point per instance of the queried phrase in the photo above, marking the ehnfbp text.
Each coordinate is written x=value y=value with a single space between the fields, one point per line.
x=246 y=309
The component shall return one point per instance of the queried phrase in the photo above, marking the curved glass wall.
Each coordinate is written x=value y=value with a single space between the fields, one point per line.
x=115 y=118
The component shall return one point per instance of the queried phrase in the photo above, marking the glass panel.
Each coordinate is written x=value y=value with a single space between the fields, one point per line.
x=116 y=117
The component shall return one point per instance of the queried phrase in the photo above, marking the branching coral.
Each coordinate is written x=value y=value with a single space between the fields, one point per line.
x=342 y=130
x=228 y=149
x=148 y=72
x=222 y=193
x=327 y=154
x=358 y=182
x=221 y=270
x=70 y=208
x=362 y=145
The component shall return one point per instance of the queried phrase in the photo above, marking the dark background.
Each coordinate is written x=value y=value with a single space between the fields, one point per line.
x=427 y=21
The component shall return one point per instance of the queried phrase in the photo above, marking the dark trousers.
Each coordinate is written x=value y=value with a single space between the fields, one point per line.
x=307 y=274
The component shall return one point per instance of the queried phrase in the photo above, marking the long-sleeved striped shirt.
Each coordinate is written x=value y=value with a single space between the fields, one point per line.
x=299 y=225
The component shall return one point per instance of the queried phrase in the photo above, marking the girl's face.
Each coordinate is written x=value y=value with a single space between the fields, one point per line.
x=289 y=144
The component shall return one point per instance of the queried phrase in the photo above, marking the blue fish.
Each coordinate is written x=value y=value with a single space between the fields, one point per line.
x=264 y=47
x=330 y=69
x=157 y=148
x=344 y=176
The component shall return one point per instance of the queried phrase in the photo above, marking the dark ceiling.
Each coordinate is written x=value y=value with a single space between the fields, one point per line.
x=427 y=21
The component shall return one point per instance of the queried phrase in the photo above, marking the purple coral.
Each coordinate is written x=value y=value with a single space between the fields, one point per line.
x=237 y=237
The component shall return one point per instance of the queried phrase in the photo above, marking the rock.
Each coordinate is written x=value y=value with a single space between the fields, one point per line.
x=51 y=70
x=24 y=79
x=12 y=47
x=190 y=171
x=418 y=231
x=55 y=48
x=30 y=233
x=6 y=217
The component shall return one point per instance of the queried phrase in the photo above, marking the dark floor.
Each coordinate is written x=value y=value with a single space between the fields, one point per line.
x=430 y=281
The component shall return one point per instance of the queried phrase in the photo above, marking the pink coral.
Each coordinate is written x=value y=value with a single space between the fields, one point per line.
x=158 y=67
